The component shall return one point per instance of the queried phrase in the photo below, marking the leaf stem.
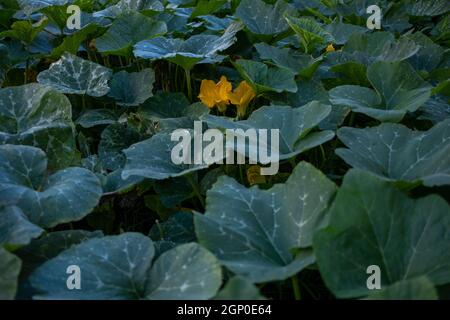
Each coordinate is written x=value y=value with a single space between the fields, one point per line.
x=188 y=83
x=296 y=288
x=195 y=189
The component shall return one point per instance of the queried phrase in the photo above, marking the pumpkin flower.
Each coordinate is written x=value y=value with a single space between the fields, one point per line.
x=212 y=94
x=330 y=48
x=241 y=97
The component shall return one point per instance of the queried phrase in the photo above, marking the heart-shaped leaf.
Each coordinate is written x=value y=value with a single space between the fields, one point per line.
x=64 y=196
x=132 y=89
x=186 y=53
x=255 y=233
x=152 y=158
x=394 y=152
x=129 y=6
x=264 y=79
x=41 y=117
x=398 y=90
x=72 y=74
x=15 y=229
x=262 y=18
x=126 y=31
x=294 y=127
x=120 y=267
x=382 y=227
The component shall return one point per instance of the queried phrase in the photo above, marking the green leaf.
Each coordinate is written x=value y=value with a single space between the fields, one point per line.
x=41 y=117
x=72 y=43
x=262 y=18
x=254 y=234
x=64 y=196
x=341 y=32
x=96 y=117
x=398 y=90
x=186 y=53
x=179 y=228
x=266 y=79
x=298 y=63
x=204 y=7
x=132 y=89
x=394 y=152
x=9 y=274
x=24 y=31
x=120 y=267
x=128 y=6
x=311 y=33
x=383 y=227
x=381 y=46
x=238 y=288
x=294 y=127
x=415 y=289
x=30 y=6
x=114 y=139
x=127 y=30
x=427 y=7
x=171 y=110
x=72 y=74
x=151 y=158
x=15 y=229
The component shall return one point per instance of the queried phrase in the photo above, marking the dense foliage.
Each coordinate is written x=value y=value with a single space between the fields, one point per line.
x=87 y=179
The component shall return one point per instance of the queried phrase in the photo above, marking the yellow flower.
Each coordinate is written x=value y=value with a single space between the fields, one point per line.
x=223 y=89
x=241 y=97
x=212 y=94
x=330 y=48
x=254 y=175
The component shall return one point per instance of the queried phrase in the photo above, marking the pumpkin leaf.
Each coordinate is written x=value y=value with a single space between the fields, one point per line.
x=382 y=227
x=132 y=89
x=36 y=115
x=398 y=90
x=75 y=75
x=254 y=234
x=64 y=196
x=394 y=152
x=128 y=272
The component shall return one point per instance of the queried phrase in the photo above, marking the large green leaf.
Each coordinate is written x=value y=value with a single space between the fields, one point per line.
x=394 y=152
x=302 y=64
x=114 y=139
x=120 y=267
x=398 y=90
x=9 y=273
x=415 y=289
x=254 y=231
x=171 y=110
x=186 y=53
x=64 y=196
x=294 y=127
x=132 y=89
x=372 y=223
x=151 y=158
x=266 y=79
x=380 y=46
x=41 y=117
x=312 y=35
x=427 y=7
x=128 y=6
x=262 y=18
x=15 y=229
x=72 y=74
x=126 y=31
x=179 y=228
